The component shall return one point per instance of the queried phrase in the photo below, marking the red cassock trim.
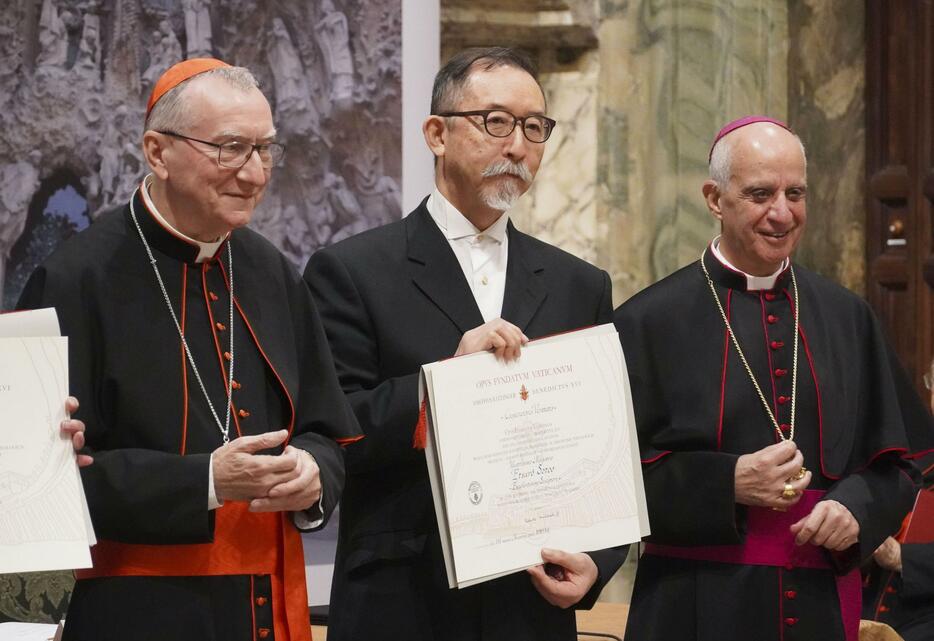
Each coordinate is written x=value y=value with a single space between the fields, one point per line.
x=244 y=543
x=768 y=352
x=181 y=345
x=726 y=353
x=647 y=461
x=217 y=345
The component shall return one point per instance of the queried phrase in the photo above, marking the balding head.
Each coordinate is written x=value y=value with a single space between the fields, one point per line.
x=757 y=191
x=759 y=134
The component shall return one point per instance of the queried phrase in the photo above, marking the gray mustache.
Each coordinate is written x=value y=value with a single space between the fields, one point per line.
x=508 y=167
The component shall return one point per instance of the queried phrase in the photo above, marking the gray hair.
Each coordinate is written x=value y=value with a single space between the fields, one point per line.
x=171 y=112
x=453 y=76
x=721 y=158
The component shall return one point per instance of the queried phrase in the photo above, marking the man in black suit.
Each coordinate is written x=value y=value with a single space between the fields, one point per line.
x=454 y=277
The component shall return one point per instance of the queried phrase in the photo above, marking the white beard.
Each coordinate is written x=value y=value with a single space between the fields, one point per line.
x=503 y=195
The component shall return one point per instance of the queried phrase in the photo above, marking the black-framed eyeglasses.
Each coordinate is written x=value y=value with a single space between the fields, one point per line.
x=236 y=153
x=500 y=124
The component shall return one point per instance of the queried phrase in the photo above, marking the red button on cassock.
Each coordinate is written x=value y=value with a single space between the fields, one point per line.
x=262 y=633
x=212 y=295
x=769 y=296
x=243 y=413
x=771 y=319
x=220 y=326
x=782 y=400
x=780 y=372
x=260 y=600
x=890 y=590
x=236 y=385
x=785 y=427
x=790 y=594
x=791 y=621
x=777 y=344
x=883 y=608
x=227 y=356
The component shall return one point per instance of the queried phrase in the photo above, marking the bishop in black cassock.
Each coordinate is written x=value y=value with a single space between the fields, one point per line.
x=725 y=560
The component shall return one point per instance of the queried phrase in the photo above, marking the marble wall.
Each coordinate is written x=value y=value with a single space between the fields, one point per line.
x=640 y=87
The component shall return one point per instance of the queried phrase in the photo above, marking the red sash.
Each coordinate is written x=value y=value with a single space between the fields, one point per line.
x=769 y=542
x=244 y=543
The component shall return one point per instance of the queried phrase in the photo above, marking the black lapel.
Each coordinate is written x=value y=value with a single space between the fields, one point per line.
x=525 y=291
x=436 y=272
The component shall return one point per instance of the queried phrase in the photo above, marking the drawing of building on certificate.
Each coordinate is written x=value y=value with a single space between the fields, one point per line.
x=44 y=523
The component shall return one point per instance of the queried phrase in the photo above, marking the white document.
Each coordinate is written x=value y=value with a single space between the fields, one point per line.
x=44 y=520
x=539 y=452
x=29 y=631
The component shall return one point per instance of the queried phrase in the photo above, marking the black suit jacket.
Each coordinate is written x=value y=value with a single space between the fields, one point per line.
x=393 y=299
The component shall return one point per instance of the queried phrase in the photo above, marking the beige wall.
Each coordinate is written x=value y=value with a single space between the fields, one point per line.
x=639 y=88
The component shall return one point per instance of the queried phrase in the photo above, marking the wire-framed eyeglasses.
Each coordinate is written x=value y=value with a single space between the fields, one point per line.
x=236 y=153
x=500 y=123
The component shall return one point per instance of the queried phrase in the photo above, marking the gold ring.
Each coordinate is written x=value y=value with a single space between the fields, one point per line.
x=800 y=474
x=789 y=492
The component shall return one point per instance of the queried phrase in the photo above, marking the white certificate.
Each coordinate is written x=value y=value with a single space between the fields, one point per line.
x=44 y=523
x=539 y=452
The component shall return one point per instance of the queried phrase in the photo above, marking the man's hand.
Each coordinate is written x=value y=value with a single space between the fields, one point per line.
x=567 y=578
x=74 y=430
x=298 y=494
x=829 y=525
x=242 y=475
x=501 y=337
x=760 y=477
x=889 y=555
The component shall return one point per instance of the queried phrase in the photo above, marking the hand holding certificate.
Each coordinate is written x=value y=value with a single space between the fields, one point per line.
x=535 y=453
x=44 y=520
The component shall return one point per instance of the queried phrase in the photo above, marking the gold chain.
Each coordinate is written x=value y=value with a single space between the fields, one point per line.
x=742 y=357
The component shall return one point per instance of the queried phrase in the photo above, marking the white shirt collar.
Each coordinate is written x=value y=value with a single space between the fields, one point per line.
x=206 y=251
x=454 y=225
x=753 y=283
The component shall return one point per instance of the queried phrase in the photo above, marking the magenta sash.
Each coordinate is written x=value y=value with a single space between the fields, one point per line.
x=770 y=542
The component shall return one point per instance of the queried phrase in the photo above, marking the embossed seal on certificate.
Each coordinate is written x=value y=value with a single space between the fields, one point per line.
x=475 y=493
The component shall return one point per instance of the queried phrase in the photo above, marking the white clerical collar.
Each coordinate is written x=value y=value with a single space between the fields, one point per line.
x=753 y=283
x=206 y=251
x=453 y=224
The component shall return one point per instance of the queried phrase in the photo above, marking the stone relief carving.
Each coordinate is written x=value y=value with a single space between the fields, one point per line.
x=80 y=73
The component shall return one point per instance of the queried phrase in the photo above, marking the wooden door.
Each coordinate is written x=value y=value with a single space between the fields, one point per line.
x=900 y=175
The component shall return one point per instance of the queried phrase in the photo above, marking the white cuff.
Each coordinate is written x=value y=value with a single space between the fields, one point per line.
x=213 y=501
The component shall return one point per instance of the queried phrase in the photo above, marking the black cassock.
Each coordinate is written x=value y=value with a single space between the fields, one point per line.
x=697 y=411
x=148 y=423
x=905 y=600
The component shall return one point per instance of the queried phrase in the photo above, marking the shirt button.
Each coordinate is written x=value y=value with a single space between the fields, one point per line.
x=260 y=600
x=480 y=238
x=262 y=633
x=243 y=413
x=790 y=595
x=776 y=344
x=484 y=280
x=772 y=319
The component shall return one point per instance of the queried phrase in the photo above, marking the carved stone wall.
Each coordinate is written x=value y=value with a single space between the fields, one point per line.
x=77 y=74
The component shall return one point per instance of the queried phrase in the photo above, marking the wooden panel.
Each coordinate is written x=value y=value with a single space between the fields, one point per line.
x=900 y=175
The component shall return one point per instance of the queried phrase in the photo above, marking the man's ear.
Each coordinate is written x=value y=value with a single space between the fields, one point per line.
x=154 y=149
x=712 y=196
x=435 y=131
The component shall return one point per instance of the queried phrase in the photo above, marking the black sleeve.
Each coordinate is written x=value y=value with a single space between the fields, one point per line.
x=324 y=419
x=878 y=497
x=386 y=409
